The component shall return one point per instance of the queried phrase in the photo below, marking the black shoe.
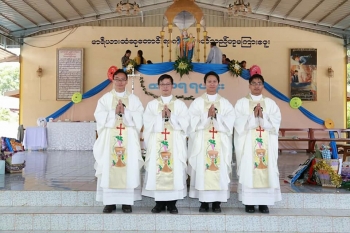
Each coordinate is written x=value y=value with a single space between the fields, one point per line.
x=216 y=207
x=126 y=208
x=204 y=207
x=173 y=210
x=158 y=208
x=171 y=206
x=109 y=208
x=249 y=209
x=264 y=209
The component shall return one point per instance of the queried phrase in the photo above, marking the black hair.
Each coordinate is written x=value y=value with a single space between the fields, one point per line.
x=211 y=73
x=227 y=60
x=296 y=71
x=120 y=71
x=256 y=76
x=165 y=76
x=127 y=51
x=224 y=55
x=140 y=53
x=149 y=62
x=213 y=43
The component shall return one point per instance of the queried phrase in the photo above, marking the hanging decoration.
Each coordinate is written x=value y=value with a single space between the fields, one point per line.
x=183 y=66
x=142 y=82
x=295 y=102
x=111 y=71
x=329 y=124
x=77 y=97
x=235 y=68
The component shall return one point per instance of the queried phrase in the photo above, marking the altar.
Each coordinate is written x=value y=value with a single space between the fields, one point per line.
x=71 y=135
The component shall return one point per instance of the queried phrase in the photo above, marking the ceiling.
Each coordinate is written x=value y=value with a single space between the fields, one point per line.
x=22 y=18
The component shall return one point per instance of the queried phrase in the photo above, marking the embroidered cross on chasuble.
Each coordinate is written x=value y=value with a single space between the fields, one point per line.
x=260 y=142
x=165 y=161
x=212 y=143
x=118 y=148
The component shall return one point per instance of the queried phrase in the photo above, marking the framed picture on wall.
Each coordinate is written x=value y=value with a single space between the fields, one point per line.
x=303 y=73
x=69 y=67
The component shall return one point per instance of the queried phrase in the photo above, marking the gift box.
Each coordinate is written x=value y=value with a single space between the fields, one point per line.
x=324 y=168
x=345 y=171
x=14 y=163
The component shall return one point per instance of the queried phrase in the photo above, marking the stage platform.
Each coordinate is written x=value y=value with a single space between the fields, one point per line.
x=56 y=193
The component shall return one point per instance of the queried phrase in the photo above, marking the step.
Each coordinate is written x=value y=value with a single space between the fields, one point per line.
x=188 y=219
x=87 y=199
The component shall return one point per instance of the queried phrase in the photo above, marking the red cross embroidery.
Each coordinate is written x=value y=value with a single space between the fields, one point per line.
x=213 y=131
x=120 y=128
x=165 y=133
x=260 y=130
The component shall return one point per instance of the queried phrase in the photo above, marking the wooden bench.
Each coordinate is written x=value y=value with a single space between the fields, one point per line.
x=311 y=138
x=303 y=135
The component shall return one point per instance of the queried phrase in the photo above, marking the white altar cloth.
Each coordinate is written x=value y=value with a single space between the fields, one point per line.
x=71 y=135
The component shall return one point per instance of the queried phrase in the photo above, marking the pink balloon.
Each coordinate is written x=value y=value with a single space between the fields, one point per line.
x=255 y=70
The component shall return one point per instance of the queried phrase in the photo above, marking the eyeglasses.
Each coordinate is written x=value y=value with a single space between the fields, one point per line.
x=166 y=85
x=119 y=80
x=257 y=84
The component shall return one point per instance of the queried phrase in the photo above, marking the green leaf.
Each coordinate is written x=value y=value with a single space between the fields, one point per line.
x=113 y=162
x=259 y=140
x=212 y=141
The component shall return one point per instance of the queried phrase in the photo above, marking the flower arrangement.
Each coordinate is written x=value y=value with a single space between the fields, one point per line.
x=235 y=68
x=183 y=66
x=130 y=67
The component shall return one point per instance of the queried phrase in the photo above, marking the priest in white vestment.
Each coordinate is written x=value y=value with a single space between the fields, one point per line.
x=210 y=146
x=117 y=149
x=258 y=119
x=166 y=121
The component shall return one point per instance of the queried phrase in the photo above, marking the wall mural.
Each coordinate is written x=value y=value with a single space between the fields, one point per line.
x=303 y=72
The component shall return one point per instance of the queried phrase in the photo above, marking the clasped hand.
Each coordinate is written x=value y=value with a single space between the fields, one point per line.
x=258 y=111
x=212 y=112
x=120 y=108
x=166 y=112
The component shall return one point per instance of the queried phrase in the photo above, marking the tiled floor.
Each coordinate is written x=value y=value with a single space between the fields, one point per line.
x=74 y=170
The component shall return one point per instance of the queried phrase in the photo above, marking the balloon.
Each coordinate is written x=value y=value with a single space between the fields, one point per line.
x=111 y=71
x=254 y=70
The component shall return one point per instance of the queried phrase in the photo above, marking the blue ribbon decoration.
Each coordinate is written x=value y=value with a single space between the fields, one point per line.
x=86 y=95
x=203 y=68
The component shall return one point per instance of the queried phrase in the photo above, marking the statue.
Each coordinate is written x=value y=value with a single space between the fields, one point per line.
x=187 y=45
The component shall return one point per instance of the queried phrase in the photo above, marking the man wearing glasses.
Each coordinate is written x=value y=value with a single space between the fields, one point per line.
x=258 y=119
x=117 y=149
x=165 y=125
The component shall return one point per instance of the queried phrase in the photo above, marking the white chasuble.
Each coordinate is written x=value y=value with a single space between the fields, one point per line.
x=256 y=149
x=118 y=152
x=210 y=149
x=117 y=149
x=166 y=155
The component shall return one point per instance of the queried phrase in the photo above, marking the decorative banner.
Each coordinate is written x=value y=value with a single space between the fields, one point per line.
x=303 y=67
